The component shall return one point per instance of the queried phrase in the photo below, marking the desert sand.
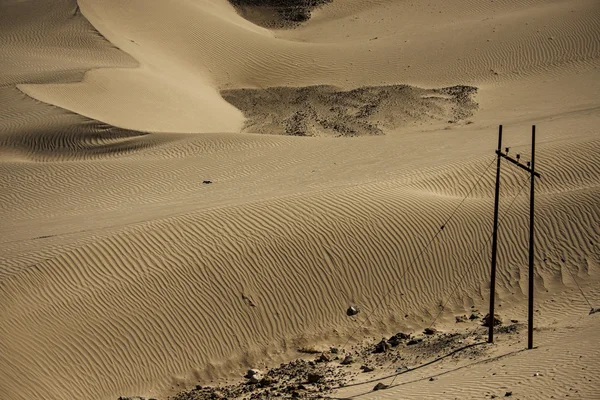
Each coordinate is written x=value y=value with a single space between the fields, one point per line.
x=186 y=193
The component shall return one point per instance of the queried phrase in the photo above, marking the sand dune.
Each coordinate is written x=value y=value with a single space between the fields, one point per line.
x=157 y=234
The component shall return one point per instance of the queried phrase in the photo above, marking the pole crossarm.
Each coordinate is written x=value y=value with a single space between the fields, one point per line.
x=517 y=163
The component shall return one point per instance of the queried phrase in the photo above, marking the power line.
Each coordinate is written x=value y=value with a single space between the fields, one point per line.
x=440 y=230
x=485 y=244
x=480 y=252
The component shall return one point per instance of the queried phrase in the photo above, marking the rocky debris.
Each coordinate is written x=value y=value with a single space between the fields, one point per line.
x=382 y=346
x=299 y=379
x=134 y=398
x=330 y=111
x=507 y=394
x=380 y=386
x=474 y=316
x=352 y=310
x=347 y=360
x=431 y=379
x=461 y=318
x=398 y=338
x=430 y=331
x=334 y=350
x=594 y=310
x=487 y=320
x=507 y=329
x=207 y=182
x=316 y=377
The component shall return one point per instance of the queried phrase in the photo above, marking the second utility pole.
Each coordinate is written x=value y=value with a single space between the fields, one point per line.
x=491 y=318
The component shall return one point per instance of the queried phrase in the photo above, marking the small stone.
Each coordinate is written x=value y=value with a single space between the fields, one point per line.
x=382 y=346
x=324 y=358
x=380 y=386
x=507 y=394
x=431 y=379
x=474 y=316
x=461 y=318
x=254 y=375
x=414 y=341
x=487 y=320
x=207 y=182
x=352 y=310
x=366 y=368
x=333 y=350
x=347 y=360
x=429 y=331
x=198 y=387
x=514 y=321
x=314 y=377
x=266 y=381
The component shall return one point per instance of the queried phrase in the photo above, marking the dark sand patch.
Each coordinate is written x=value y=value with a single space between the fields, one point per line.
x=329 y=111
x=277 y=13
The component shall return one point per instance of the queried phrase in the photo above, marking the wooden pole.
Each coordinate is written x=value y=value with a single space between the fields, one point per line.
x=531 y=242
x=495 y=241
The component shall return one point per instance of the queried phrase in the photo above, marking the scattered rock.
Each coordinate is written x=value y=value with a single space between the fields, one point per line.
x=324 y=358
x=461 y=318
x=394 y=341
x=352 y=310
x=487 y=320
x=207 y=182
x=430 y=331
x=414 y=341
x=333 y=350
x=397 y=338
x=382 y=346
x=366 y=368
x=347 y=360
x=514 y=321
x=594 y=311
x=380 y=386
x=474 y=316
x=254 y=375
x=431 y=379
x=507 y=394
x=314 y=377
x=266 y=381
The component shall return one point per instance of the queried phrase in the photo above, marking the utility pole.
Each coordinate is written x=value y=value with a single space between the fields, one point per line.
x=530 y=168
x=531 y=244
x=495 y=241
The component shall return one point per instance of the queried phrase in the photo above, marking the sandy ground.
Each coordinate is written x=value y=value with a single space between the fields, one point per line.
x=124 y=272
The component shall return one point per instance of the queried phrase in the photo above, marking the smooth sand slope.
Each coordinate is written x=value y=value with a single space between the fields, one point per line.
x=123 y=273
